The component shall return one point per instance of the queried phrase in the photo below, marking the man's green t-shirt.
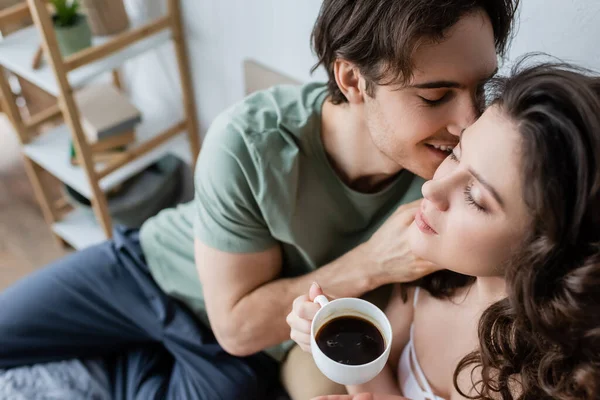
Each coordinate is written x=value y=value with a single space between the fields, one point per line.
x=263 y=178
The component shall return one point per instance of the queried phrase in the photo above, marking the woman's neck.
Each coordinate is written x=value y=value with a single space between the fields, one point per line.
x=490 y=289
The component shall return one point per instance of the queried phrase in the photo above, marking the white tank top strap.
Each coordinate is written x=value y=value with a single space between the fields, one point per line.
x=428 y=391
x=416 y=296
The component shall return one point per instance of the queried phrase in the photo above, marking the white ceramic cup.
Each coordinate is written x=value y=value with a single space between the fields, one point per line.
x=342 y=373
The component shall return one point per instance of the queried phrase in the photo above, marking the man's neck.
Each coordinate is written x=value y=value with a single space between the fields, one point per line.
x=350 y=149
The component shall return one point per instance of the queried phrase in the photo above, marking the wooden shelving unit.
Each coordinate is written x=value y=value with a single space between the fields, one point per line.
x=60 y=78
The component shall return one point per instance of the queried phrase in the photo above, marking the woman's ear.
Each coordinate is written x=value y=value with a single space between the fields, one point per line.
x=349 y=80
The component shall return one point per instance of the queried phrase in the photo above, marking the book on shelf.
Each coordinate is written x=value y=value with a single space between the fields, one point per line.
x=106 y=149
x=105 y=112
x=112 y=142
x=99 y=156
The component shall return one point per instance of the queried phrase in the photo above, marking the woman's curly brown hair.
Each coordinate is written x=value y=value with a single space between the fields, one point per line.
x=543 y=340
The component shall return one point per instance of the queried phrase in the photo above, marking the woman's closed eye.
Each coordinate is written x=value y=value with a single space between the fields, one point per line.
x=468 y=190
x=470 y=200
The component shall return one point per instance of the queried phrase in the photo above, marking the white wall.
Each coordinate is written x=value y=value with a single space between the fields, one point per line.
x=221 y=33
x=568 y=29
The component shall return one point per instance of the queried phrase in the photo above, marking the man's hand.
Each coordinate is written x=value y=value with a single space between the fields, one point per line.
x=390 y=249
x=361 y=396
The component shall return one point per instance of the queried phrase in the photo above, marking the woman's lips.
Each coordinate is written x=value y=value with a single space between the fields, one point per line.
x=423 y=225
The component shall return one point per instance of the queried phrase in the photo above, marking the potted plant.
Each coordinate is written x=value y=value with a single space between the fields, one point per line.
x=106 y=17
x=72 y=30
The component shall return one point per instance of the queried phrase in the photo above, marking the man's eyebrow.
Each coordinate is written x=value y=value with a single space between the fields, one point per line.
x=436 y=85
x=442 y=84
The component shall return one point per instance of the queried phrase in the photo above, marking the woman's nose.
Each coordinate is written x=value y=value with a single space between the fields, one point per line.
x=436 y=192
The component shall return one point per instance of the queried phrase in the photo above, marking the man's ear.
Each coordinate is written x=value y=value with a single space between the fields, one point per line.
x=350 y=81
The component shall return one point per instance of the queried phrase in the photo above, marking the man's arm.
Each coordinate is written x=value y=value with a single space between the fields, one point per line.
x=247 y=303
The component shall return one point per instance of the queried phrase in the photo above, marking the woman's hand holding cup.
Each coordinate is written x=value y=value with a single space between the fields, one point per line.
x=300 y=318
x=349 y=338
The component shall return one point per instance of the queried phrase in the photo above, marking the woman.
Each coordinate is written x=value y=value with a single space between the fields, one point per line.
x=514 y=215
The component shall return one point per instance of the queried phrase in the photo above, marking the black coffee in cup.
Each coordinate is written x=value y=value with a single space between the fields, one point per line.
x=350 y=340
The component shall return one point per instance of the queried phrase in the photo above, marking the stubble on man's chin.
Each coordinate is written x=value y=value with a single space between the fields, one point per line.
x=403 y=161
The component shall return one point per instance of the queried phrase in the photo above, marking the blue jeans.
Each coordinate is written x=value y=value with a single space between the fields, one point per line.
x=103 y=302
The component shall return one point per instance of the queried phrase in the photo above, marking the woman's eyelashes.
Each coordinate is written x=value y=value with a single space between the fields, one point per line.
x=468 y=189
x=469 y=198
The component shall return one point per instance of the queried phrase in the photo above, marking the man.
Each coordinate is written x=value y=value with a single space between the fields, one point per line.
x=293 y=185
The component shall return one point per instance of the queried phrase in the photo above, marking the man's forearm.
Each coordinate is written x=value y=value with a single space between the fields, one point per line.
x=259 y=317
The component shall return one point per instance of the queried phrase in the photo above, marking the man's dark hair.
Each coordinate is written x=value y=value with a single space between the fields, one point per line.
x=380 y=36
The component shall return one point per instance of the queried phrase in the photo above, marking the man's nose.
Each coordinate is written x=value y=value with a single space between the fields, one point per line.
x=466 y=113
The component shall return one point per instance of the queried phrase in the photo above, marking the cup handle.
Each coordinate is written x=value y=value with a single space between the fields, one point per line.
x=321 y=299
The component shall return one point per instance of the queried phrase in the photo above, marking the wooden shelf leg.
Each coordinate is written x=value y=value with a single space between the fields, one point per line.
x=186 y=78
x=70 y=111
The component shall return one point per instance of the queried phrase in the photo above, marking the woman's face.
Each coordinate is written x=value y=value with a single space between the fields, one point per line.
x=473 y=215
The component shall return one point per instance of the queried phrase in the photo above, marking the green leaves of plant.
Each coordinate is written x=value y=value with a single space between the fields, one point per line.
x=65 y=12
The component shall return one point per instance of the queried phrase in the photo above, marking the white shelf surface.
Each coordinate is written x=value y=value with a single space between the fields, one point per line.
x=18 y=49
x=79 y=229
x=51 y=151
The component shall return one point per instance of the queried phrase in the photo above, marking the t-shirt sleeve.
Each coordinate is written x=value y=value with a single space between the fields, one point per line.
x=227 y=216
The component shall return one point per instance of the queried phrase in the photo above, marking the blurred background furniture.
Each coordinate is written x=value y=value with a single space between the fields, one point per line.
x=60 y=78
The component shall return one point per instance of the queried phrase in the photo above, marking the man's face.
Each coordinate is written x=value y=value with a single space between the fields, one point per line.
x=416 y=125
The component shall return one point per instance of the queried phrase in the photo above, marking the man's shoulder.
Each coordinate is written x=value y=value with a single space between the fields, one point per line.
x=269 y=118
x=288 y=101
